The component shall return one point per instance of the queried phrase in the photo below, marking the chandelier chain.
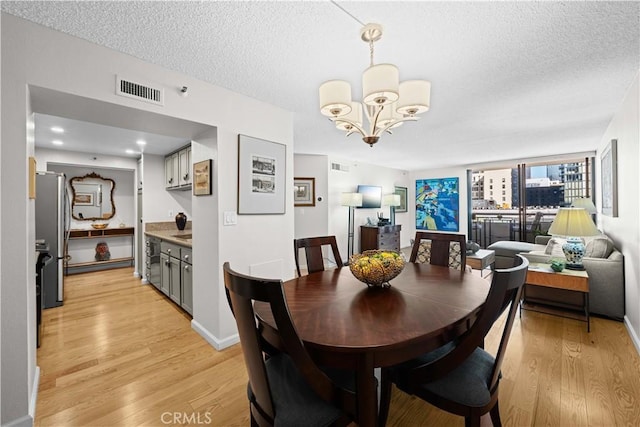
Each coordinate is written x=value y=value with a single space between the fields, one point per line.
x=347 y=12
x=371 y=53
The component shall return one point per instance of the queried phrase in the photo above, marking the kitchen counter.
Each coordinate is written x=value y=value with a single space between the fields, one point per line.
x=172 y=236
x=169 y=232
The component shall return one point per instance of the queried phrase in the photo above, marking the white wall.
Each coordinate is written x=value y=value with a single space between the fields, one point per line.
x=347 y=182
x=312 y=221
x=625 y=229
x=158 y=203
x=37 y=61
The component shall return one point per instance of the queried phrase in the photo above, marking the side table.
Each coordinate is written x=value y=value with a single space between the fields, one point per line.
x=481 y=260
x=540 y=274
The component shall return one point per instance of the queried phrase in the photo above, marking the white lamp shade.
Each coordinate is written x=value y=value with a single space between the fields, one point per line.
x=387 y=115
x=355 y=116
x=584 y=203
x=351 y=199
x=415 y=97
x=573 y=222
x=391 y=200
x=335 y=98
x=380 y=84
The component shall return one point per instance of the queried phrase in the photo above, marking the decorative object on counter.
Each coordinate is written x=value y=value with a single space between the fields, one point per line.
x=262 y=169
x=557 y=265
x=382 y=221
x=202 y=178
x=304 y=191
x=102 y=252
x=181 y=220
x=99 y=225
x=472 y=247
x=573 y=223
x=376 y=267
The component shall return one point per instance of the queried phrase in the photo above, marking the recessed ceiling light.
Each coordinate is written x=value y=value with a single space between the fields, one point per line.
x=141 y=142
x=129 y=151
x=57 y=142
x=57 y=129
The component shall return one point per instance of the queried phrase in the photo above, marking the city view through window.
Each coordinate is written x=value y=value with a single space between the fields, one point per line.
x=504 y=209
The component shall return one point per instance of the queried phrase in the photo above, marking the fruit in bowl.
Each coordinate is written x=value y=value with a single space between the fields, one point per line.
x=99 y=225
x=376 y=267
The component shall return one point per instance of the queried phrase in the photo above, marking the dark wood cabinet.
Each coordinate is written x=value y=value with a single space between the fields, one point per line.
x=386 y=237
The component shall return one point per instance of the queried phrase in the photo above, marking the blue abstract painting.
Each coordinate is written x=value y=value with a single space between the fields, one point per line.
x=437 y=204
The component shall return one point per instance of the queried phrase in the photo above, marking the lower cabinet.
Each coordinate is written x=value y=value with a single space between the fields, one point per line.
x=186 y=280
x=176 y=274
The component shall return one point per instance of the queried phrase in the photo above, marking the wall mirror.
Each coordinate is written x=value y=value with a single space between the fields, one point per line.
x=92 y=197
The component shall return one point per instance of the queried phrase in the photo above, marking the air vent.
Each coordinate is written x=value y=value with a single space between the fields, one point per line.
x=339 y=167
x=137 y=90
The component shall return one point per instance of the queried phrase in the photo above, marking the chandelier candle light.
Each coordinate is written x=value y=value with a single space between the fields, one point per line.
x=573 y=223
x=387 y=102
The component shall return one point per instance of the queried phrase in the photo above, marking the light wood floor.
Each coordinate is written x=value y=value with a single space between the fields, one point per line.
x=120 y=354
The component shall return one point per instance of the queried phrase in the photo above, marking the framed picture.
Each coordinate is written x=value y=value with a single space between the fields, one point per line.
x=84 y=199
x=402 y=192
x=261 y=176
x=304 y=191
x=202 y=178
x=609 y=170
x=437 y=204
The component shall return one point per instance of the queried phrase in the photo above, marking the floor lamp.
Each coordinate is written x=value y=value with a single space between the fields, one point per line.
x=391 y=200
x=351 y=200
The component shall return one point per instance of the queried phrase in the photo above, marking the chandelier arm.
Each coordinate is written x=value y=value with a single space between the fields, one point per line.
x=349 y=122
x=375 y=121
x=395 y=122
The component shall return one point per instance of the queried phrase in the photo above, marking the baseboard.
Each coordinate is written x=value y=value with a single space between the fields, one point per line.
x=632 y=334
x=211 y=339
x=27 y=420
x=34 y=393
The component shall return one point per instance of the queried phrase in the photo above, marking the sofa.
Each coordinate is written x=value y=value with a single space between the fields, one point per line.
x=603 y=262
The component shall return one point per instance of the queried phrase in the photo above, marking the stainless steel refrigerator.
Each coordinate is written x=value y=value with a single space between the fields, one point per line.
x=51 y=220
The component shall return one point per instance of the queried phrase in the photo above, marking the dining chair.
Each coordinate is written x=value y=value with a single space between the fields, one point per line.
x=445 y=249
x=461 y=377
x=286 y=389
x=313 y=252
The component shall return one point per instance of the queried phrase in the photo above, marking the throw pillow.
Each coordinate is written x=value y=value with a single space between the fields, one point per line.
x=600 y=247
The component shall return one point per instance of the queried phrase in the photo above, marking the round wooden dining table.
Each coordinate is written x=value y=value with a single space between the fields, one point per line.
x=345 y=324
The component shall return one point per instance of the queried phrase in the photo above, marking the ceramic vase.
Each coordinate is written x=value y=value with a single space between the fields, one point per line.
x=181 y=220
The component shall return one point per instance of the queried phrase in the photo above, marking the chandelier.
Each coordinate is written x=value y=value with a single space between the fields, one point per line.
x=387 y=102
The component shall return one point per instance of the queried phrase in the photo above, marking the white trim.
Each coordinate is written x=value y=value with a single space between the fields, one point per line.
x=211 y=339
x=632 y=334
x=26 y=421
x=34 y=393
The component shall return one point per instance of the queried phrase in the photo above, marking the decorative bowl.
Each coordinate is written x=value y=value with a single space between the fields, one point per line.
x=376 y=267
x=100 y=226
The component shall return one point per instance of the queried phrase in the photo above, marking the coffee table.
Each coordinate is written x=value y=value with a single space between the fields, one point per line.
x=540 y=274
x=481 y=260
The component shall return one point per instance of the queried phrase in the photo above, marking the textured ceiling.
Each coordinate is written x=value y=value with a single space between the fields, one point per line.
x=509 y=79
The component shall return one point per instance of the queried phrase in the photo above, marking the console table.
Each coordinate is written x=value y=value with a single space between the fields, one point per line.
x=386 y=237
x=540 y=274
x=101 y=234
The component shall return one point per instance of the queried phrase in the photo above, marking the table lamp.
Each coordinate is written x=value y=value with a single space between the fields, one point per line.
x=352 y=200
x=587 y=204
x=573 y=223
x=391 y=200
